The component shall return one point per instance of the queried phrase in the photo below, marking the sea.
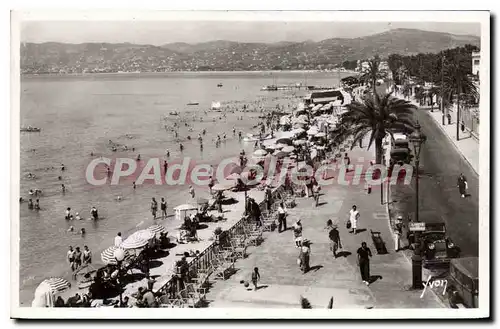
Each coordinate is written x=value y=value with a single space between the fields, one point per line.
x=80 y=114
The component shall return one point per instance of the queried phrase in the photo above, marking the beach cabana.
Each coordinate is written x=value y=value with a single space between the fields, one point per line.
x=46 y=291
x=186 y=209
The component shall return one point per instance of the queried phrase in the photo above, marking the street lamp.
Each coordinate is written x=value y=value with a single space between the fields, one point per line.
x=417 y=138
x=119 y=256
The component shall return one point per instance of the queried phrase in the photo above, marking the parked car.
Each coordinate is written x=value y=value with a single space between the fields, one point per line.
x=437 y=249
x=463 y=282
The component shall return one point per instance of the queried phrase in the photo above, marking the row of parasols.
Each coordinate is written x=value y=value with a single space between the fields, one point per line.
x=136 y=240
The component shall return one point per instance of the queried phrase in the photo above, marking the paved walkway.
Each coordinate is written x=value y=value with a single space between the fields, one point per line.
x=283 y=283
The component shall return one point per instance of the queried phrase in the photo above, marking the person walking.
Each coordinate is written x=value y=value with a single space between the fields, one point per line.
x=334 y=236
x=86 y=255
x=316 y=191
x=211 y=184
x=191 y=192
x=462 y=185
x=304 y=257
x=398 y=231
x=118 y=239
x=255 y=278
x=71 y=258
x=154 y=207
x=364 y=254
x=297 y=233
x=281 y=217
x=163 y=207
x=354 y=218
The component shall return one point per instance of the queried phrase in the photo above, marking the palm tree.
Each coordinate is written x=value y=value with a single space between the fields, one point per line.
x=378 y=114
x=372 y=73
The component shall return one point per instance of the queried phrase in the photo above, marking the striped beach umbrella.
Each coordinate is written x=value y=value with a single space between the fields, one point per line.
x=143 y=235
x=157 y=229
x=134 y=242
x=108 y=255
x=55 y=285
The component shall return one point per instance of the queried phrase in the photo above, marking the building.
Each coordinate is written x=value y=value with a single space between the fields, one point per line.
x=476 y=62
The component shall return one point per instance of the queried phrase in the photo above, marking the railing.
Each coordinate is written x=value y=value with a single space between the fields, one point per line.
x=205 y=258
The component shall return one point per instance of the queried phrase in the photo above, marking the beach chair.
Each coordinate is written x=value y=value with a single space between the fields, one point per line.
x=237 y=248
x=268 y=221
x=197 y=293
x=253 y=235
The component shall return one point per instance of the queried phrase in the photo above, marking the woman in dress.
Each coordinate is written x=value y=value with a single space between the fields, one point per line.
x=304 y=256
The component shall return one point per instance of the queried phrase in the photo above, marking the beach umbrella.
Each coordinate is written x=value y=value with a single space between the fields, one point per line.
x=156 y=229
x=143 y=235
x=233 y=176
x=108 y=255
x=260 y=153
x=320 y=135
x=286 y=141
x=298 y=131
x=284 y=120
x=222 y=187
x=299 y=142
x=271 y=147
x=302 y=117
x=320 y=147
x=44 y=293
x=134 y=242
x=55 y=285
x=184 y=207
x=259 y=158
x=288 y=149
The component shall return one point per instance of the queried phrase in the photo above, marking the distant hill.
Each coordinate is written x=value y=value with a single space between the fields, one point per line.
x=231 y=55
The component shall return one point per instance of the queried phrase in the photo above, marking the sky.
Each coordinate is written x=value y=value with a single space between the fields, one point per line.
x=162 y=32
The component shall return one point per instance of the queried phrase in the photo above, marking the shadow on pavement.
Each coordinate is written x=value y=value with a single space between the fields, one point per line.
x=344 y=253
x=374 y=278
x=315 y=268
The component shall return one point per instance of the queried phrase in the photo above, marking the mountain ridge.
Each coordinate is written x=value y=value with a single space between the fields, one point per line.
x=54 y=57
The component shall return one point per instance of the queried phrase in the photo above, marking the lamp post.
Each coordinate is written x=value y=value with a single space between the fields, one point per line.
x=417 y=138
x=119 y=256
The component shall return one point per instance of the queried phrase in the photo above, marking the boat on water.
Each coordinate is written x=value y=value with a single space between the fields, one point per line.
x=30 y=129
x=193 y=103
x=173 y=113
x=216 y=107
x=270 y=88
x=219 y=85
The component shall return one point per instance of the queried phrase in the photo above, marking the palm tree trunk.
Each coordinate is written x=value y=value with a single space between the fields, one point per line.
x=379 y=150
x=373 y=84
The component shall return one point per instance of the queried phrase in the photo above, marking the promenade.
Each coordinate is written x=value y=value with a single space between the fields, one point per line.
x=282 y=282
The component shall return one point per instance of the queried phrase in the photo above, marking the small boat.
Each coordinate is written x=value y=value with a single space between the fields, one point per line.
x=270 y=88
x=174 y=113
x=193 y=103
x=30 y=129
x=216 y=107
x=219 y=85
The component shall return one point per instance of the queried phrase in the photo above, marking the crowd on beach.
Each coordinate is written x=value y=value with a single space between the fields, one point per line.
x=267 y=128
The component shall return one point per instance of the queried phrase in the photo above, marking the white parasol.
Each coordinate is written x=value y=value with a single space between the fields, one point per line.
x=260 y=153
x=143 y=235
x=288 y=149
x=321 y=134
x=222 y=187
x=44 y=293
x=156 y=229
x=299 y=142
x=133 y=242
x=108 y=255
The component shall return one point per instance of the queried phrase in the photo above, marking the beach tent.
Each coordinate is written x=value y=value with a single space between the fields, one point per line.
x=108 y=255
x=45 y=292
x=186 y=210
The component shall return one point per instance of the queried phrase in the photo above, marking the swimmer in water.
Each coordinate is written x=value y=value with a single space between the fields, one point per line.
x=139 y=157
x=71 y=229
x=82 y=231
x=59 y=177
x=167 y=153
x=91 y=154
x=30 y=204
x=119 y=198
x=37 y=204
x=77 y=216
x=62 y=167
x=181 y=147
x=189 y=138
x=133 y=185
x=63 y=188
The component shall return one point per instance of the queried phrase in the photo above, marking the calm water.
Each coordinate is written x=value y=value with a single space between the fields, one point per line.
x=78 y=115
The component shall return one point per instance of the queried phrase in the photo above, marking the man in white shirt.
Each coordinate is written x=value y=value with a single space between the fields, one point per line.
x=353 y=218
x=281 y=218
x=118 y=239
